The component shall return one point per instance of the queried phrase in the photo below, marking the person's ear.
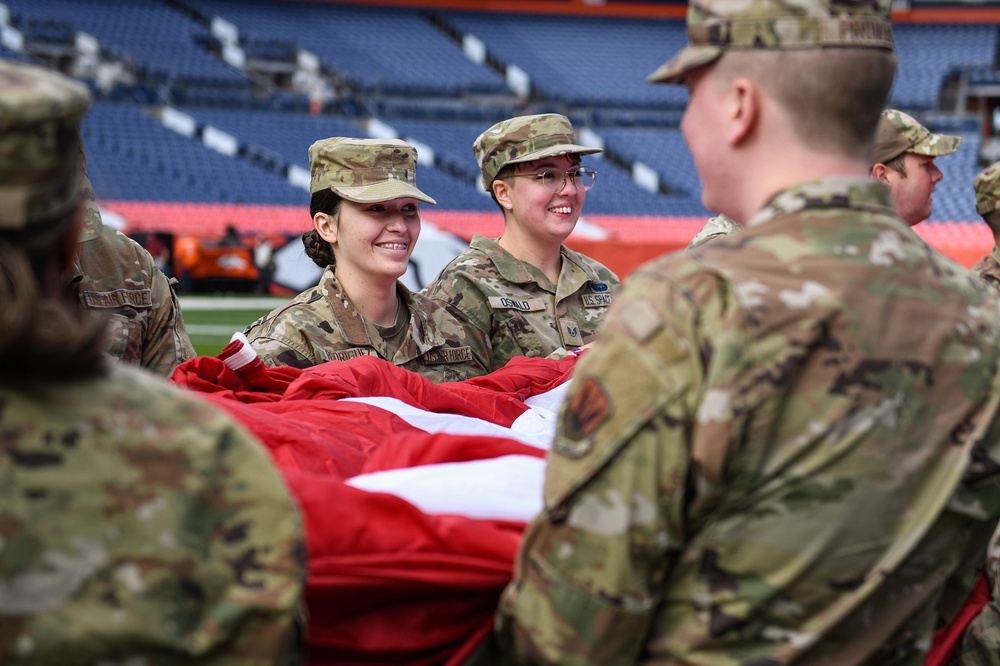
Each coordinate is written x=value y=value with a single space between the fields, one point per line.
x=742 y=106
x=880 y=172
x=501 y=190
x=326 y=227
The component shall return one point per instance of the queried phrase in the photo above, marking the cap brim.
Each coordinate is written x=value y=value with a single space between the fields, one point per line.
x=937 y=145
x=555 y=151
x=688 y=58
x=987 y=207
x=384 y=191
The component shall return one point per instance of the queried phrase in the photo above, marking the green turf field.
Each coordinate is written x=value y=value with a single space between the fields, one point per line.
x=212 y=320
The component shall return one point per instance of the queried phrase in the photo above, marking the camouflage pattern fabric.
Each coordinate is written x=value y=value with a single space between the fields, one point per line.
x=715 y=227
x=980 y=644
x=525 y=139
x=763 y=457
x=40 y=113
x=512 y=309
x=988 y=268
x=321 y=324
x=900 y=133
x=714 y=26
x=139 y=525
x=365 y=170
x=987 y=187
x=116 y=276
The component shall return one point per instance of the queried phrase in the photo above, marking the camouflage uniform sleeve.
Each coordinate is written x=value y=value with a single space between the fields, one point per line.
x=276 y=353
x=980 y=645
x=590 y=571
x=167 y=344
x=715 y=227
x=273 y=350
x=255 y=530
x=164 y=535
x=463 y=299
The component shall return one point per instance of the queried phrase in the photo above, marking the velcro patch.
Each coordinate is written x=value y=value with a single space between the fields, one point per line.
x=136 y=298
x=641 y=320
x=348 y=354
x=587 y=409
x=447 y=355
x=524 y=305
x=596 y=300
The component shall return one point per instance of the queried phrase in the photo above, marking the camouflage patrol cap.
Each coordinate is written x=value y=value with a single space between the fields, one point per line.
x=987 y=186
x=900 y=133
x=365 y=170
x=525 y=139
x=40 y=113
x=714 y=26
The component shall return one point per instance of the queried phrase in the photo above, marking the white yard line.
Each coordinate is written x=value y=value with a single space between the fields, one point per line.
x=214 y=330
x=226 y=303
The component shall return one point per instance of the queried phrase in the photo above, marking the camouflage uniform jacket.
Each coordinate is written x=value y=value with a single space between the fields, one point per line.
x=140 y=525
x=321 y=324
x=767 y=453
x=115 y=275
x=715 y=227
x=515 y=310
x=988 y=268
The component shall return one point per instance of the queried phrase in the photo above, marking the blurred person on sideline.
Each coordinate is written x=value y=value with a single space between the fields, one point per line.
x=526 y=293
x=138 y=524
x=366 y=218
x=230 y=237
x=117 y=277
x=987 y=187
x=263 y=259
x=903 y=159
x=187 y=254
x=786 y=444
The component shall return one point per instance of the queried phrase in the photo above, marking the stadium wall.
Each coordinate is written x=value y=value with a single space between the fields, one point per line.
x=622 y=242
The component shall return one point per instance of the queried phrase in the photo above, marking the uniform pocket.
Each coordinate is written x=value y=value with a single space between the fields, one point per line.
x=124 y=338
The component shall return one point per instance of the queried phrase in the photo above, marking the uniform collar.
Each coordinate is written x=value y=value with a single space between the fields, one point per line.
x=516 y=271
x=858 y=192
x=421 y=337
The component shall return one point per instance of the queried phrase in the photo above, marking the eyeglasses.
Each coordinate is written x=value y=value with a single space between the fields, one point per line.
x=583 y=178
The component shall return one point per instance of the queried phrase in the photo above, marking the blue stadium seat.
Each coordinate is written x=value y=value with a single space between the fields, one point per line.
x=954 y=198
x=928 y=53
x=581 y=60
x=161 y=41
x=592 y=69
x=410 y=56
x=132 y=156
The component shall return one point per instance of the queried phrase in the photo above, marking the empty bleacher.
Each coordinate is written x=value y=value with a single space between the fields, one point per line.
x=164 y=45
x=389 y=52
x=131 y=155
x=929 y=54
x=583 y=61
x=404 y=71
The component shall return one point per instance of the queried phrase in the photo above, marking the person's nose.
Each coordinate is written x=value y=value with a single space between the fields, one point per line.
x=567 y=181
x=396 y=223
x=936 y=175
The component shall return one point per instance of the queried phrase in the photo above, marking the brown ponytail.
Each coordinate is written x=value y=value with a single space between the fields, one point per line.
x=325 y=201
x=44 y=335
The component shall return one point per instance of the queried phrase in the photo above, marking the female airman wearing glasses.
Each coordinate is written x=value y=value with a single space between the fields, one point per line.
x=525 y=293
